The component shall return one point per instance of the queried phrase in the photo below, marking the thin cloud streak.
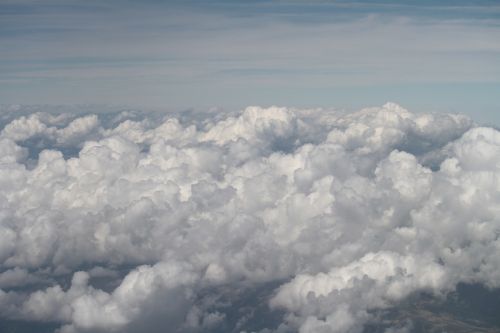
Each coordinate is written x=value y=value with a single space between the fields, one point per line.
x=165 y=47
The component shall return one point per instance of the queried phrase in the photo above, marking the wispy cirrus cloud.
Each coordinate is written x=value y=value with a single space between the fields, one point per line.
x=168 y=52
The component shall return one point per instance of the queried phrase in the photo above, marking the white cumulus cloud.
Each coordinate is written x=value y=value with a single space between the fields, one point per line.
x=311 y=219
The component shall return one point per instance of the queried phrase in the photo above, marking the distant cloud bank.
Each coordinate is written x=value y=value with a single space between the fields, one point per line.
x=265 y=220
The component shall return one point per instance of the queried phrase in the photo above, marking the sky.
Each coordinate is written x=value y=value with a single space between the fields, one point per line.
x=304 y=169
x=425 y=55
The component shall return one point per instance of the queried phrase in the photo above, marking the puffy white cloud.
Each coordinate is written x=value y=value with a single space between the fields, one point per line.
x=123 y=223
x=24 y=128
x=343 y=295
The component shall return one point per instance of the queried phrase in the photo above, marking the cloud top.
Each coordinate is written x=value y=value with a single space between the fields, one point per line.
x=310 y=218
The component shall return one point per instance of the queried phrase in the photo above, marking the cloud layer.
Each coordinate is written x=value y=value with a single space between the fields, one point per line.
x=268 y=219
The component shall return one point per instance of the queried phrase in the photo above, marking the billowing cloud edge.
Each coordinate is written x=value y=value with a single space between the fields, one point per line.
x=126 y=221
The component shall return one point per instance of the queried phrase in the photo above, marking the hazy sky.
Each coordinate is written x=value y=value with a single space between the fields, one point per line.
x=287 y=218
x=182 y=54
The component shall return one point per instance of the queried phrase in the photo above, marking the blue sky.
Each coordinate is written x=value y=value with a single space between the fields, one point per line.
x=425 y=55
